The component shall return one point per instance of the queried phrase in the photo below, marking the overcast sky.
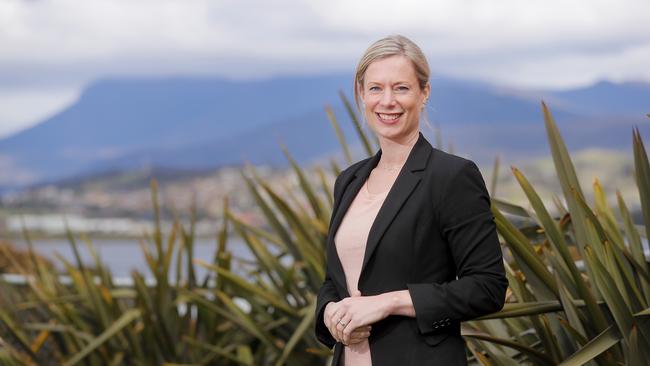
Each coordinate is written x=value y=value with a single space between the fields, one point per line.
x=50 y=49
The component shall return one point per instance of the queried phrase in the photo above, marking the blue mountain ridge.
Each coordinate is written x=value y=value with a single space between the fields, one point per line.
x=199 y=123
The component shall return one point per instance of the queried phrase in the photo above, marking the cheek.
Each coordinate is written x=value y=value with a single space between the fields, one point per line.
x=412 y=106
x=370 y=106
x=414 y=113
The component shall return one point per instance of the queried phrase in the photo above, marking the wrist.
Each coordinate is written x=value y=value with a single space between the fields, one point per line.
x=389 y=303
x=398 y=303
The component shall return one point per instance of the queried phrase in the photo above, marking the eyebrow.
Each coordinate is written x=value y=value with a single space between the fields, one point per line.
x=396 y=83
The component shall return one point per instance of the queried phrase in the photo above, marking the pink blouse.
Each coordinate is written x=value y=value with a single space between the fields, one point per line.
x=350 y=240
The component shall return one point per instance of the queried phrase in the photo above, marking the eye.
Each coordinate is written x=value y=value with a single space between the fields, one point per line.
x=402 y=88
x=374 y=89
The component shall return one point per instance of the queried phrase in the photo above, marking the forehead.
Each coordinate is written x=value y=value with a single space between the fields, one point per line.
x=391 y=69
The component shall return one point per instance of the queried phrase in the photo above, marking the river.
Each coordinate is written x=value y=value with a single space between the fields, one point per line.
x=122 y=256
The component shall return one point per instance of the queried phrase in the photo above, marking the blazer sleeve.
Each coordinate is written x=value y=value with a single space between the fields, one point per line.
x=467 y=224
x=327 y=292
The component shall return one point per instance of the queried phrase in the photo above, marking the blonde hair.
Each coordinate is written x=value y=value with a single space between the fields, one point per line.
x=386 y=47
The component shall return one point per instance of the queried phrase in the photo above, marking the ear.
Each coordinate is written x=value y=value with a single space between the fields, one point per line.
x=426 y=91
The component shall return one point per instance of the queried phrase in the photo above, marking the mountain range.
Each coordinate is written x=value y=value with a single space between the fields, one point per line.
x=205 y=123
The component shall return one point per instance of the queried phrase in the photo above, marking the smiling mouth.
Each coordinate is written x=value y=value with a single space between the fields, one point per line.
x=388 y=117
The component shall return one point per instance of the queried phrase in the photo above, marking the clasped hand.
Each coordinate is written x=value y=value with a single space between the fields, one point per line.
x=349 y=320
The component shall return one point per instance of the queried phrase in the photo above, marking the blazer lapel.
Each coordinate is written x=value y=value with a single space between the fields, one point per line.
x=404 y=184
x=349 y=190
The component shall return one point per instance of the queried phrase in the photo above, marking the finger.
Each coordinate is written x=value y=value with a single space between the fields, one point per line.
x=336 y=333
x=335 y=329
x=346 y=336
x=331 y=306
x=332 y=329
x=359 y=332
x=335 y=317
x=339 y=331
x=344 y=321
x=356 y=293
x=365 y=328
x=327 y=316
x=348 y=329
x=358 y=337
x=331 y=323
x=341 y=326
x=354 y=340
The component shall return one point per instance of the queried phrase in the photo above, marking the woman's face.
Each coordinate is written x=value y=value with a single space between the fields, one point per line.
x=393 y=98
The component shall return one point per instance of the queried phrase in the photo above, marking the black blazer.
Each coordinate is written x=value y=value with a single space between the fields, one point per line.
x=435 y=236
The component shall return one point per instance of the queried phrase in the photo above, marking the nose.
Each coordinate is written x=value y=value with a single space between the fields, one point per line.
x=387 y=98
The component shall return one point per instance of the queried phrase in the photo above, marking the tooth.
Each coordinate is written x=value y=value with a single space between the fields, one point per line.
x=389 y=117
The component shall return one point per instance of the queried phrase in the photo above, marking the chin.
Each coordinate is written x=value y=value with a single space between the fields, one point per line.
x=395 y=133
x=389 y=132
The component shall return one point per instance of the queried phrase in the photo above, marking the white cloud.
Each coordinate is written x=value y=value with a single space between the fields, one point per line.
x=19 y=109
x=577 y=68
x=548 y=43
x=74 y=31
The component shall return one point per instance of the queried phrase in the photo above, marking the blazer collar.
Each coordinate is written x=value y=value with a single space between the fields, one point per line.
x=416 y=160
x=406 y=181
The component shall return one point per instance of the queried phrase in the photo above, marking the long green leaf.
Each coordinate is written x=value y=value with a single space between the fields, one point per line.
x=510 y=208
x=272 y=298
x=116 y=327
x=642 y=174
x=634 y=243
x=306 y=186
x=531 y=352
x=355 y=120
x=339 y=134
x=245 y=319
x=595 y=347
x=612 y=295
x=569 y=181
x=556 y=238
x=520 y=244
x=613 y=259
x=570 y=309
x=298 y=334
x=17 y=333
x=326 y=187
x=524 y=309
x=269 y=214
x=220 y=351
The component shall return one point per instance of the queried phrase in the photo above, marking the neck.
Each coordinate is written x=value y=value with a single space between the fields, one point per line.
x=394 y=152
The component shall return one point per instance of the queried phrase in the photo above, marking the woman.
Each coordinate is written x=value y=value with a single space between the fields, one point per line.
x=412 y=249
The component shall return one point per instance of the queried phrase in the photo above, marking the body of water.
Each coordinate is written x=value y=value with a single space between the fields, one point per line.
x=122 y=256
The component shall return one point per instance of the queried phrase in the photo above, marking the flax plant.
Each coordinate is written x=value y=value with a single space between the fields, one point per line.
x=562 y=308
